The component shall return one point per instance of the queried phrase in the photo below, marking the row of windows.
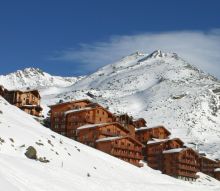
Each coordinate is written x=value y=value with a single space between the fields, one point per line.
x=56 y=126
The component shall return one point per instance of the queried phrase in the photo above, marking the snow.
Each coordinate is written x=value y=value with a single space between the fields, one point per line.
x=92 y=126
x=35 y=78
x=174 y=150
x=108 y=139
x=72 y=166
x=159 y=140
x=146 y=128
x=163 y=89
x=77 y=110
x=217 y=170
x=70 y=162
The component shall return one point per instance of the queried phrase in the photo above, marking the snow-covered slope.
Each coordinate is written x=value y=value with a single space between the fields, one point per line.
x=35 y=78
x=162 y=88
x=72 y=166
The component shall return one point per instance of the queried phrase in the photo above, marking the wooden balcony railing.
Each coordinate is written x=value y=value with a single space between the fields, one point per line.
x=130 y=148
x=110 y=133
x=188 y=162
x=186 y=174
x=189 y=168
x=126 y=155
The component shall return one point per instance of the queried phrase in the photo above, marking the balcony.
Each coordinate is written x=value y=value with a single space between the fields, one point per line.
x=186 y=174
x=186 y=167
x=107 y=133
x=126 y=155
x=188 y=162
x=130 y=148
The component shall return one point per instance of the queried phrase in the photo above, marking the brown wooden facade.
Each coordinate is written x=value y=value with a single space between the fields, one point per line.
x=138 y=123
x=144 y=134
x=153 y=152
x=182 y=163
x=217 y=173
x=88 y=134
x=127 y=122
x=125 y=148
x=207 y=165
x=28 y=101
x=128 y=139
x=67 y=117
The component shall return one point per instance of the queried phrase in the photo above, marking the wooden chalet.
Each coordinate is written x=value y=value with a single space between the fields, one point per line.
x=67 y=117
x=153 y=152
x=182 y=163
x=61 y=107
x=217 y=173
x=28 y=101
x=88 y=134
x=125 y=148
x=138 y=123
x=144 y=134
x=207 y=165
x=127 y=122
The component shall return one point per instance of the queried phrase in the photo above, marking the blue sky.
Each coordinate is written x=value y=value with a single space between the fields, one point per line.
x=65 y=37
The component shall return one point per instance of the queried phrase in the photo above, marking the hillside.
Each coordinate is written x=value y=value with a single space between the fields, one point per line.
x=72 y=166
x=162 y=88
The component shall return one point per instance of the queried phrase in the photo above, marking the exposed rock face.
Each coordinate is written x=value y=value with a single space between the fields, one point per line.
x=31 y=153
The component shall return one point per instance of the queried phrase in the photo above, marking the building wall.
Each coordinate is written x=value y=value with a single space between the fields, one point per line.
x=90 y=135
x=181 y=164
x=145 y=135
x=217 y=175
x=27 y=101
x=207 y=166
x=123 y=149
x=153 y=152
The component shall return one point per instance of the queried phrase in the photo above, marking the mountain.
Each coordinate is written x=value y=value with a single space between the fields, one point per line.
x=160 y=87
x=35 y=78
x=68 y=165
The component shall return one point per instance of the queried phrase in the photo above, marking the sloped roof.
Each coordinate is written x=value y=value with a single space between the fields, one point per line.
x=158 y=141
x=74 y=101
x=150 y=128
x=117 y=138
x=77 y=110
x=179 y=150
x=88 y=126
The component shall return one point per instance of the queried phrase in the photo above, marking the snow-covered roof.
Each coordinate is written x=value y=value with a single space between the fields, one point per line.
x=162 y=140
x=92 y=126
x=174 y=150
x=70 y=102
x=108 y=139
x=217 y=170
x=147 y=128
x=77 y=110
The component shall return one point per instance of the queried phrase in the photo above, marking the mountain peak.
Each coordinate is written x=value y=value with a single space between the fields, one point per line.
x=159 y=54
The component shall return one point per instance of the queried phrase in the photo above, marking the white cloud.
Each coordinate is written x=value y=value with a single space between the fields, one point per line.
x=198 y=48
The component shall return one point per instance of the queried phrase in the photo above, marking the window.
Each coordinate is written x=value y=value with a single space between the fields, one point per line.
x=108 y=130
x=56 y=126
x=100 y=119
